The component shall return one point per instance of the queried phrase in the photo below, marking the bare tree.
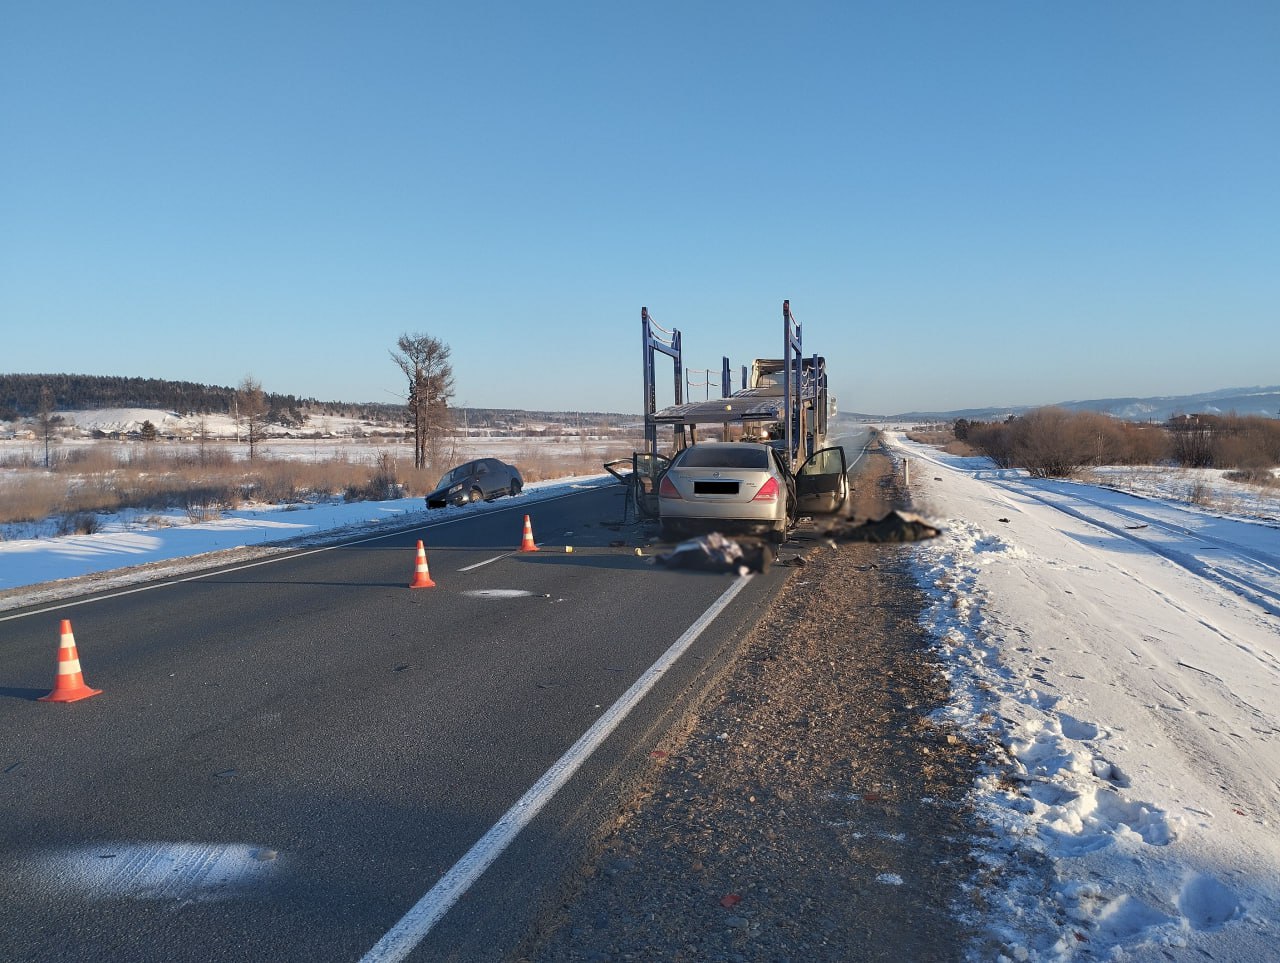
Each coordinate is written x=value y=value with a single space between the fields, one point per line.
x=202 y=436
x=252 y=408
x=425 y=362
x=47 y=421
x=1054 y=442
x=993 y=439
x=1192 y=439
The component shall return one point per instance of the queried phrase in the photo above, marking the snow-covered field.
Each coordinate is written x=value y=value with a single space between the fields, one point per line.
x=535 y=456
x=366 y=451
x=1124 y=651
x=322 y=439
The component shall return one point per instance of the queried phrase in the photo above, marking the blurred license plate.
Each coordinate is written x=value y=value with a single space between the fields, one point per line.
x=715 y=488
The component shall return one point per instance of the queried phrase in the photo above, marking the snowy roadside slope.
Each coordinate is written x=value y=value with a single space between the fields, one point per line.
x=128 y=542
x=1126 y=655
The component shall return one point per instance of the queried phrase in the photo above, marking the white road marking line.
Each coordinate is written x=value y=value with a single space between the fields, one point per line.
x=486 y=561
x=854 y=463
x=404 y=937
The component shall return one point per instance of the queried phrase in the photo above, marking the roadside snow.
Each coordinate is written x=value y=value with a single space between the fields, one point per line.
x=131 y=539
x=1125 y=654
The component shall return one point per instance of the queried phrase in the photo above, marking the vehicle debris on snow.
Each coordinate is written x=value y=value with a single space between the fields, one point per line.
x=895 y=527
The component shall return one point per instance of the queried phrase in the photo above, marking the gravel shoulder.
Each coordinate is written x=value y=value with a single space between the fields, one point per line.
x=807 y=808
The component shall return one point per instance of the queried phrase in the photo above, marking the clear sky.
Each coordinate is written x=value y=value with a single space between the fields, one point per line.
x=968 y=203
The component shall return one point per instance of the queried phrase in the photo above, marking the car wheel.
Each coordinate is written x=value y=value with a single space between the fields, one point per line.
x=477 y=495
x=515 y=487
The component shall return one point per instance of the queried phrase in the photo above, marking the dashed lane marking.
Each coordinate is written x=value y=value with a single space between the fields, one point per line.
x=487 y=561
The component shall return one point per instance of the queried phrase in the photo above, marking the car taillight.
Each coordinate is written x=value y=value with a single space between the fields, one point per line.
x=667 y=489
x=768 y=492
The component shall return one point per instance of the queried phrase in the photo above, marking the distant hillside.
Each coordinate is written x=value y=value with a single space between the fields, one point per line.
x=20 y=396
x=20 y=400
x=1241 y=401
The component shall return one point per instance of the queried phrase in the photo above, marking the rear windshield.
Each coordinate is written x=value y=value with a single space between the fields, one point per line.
x=701 y=456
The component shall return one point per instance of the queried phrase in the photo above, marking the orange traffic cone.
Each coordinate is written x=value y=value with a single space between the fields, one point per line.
x=526 y=545
x=422 y=574
x=68 y=684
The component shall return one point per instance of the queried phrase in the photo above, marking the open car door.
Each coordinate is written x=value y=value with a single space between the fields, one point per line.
x=649 y=470
x=822 y=483
x=642 y=481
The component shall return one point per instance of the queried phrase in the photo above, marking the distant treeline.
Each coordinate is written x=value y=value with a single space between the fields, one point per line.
x=20 y=398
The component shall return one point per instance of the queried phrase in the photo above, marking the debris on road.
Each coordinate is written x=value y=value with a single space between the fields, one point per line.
x=716 y=553
x=897 y=526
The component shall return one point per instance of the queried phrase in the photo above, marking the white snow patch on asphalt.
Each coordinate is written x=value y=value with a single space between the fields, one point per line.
x=172 y=871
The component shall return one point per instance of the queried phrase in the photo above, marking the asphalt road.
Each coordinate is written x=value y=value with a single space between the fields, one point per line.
x=288 y=755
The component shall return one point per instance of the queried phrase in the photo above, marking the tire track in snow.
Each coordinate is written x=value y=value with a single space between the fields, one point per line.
x=1265 y=597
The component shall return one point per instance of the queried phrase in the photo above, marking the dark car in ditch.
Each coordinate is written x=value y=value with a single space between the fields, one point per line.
x=480 y=480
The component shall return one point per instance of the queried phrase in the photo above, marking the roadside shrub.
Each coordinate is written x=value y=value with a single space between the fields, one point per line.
x=1139 y=444
x=31 y=496
x=275 y=487
x=1260 y=477
x=206 y=502
x=931 y=435
x=198 y=511
x=1191 y=442
x=993 y=440
x=80 y=523
x=90 y=459
x=1056 y=443
x=539 y=464
x=1225 y=441
x=1200 y=493
x=382 y=486
x=960 y=448
x=376 y=489
x=1249 y=442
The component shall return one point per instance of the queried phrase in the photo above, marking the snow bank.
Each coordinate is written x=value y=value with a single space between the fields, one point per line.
x=1124 y=657
x=131 y=539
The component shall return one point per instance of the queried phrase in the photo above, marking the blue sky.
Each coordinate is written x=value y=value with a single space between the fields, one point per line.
x=968 y=204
